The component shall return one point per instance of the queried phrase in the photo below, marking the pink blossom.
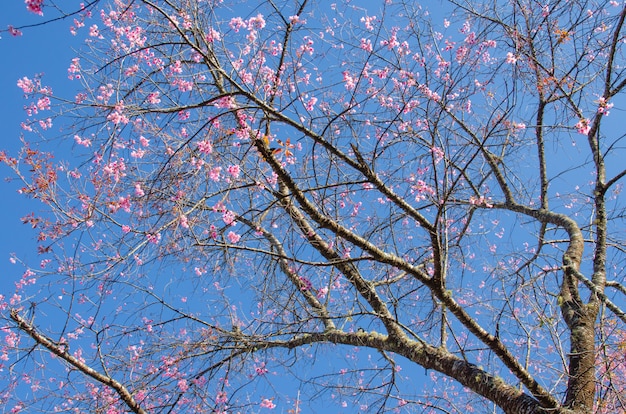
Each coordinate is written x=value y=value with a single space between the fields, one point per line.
x=138 y=153
x=234 y=171
x=260 y=369
x=438 y=154
x=183 y=85
x=130 y=71
x=480 y=201
x=115 y=169
x=213 y=36
x=226 y=102
x=117 y=117
x=511 y=58
x=214 y=174
x=310 y=104
x=366 y=45
x=183 y=386
x=183 y=115
x=153 y=98
x=228 y=217
x=125 y=228
x=237 y=23
x=221 y=397
x=296 y=19
x=34 y=6
x=583 y=126
x=14 y=32
x=368 y=22
x=176 y=67
x=124 y=203
x=306 y=47
x=43 y=103
x=135 y=37
x=139 y=191
x=45 y=123
x=93 y=31
x=233 y=237
x=268 y=404
x=27 y=85
x=74 y=70
x=205 y=147
x=257 y=22
x=153 y=238
x=184 y=222
x=349 y=80
x=604 y=106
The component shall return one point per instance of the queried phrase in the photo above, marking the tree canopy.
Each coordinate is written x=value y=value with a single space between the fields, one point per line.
x=292 y=204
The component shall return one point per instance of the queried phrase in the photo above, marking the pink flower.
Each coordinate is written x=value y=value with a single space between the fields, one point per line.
x=233 y=237
x=14 y=32
x=261 y=369
x=604 y=106
x=311 y=103
x=368 y=22
x=234 y=171
x=34 y=6
x=237 y=23
x=257 y=22
x=43 y=103
x=139 y=191
x=153 y=98
x=183 y=386
x=268 y=404
x=131 y=70
x=213 y=36
x=228 y=217
x=117 y=117
x=226 y=102
x=480 y=201
x=366 y=45
x=511 y=58
x=93 y=31
x=176 y=67
x=184 y=222
x=73 y=72
x=349 y=80
x=296 y=19
x=205 y=147
x=583 y=126
x=153 y=238
x=183 y=115
x=438 y=154
x=27 y=85
x=221 y=397
x=214 y=174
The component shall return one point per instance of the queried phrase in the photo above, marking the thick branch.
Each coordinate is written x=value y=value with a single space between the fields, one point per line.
x=61 y=351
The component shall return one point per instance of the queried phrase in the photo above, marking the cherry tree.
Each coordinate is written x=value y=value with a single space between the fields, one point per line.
x=295 y=204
